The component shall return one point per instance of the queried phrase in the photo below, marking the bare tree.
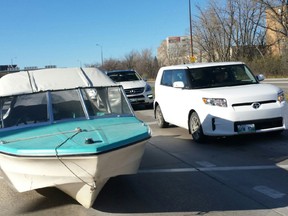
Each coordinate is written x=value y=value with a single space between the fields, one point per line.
x=230 y=31
x=248 y=34
x=111 y=64
x=130 y=60
x=277 y=27
x=212 y=34
x=278 y=10
x=145 y=64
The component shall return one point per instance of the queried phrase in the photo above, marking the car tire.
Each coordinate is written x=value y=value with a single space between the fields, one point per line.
x=160 y=119
x=196 y=128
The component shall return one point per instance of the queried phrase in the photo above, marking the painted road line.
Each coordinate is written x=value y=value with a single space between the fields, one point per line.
x=214 y=169
x=173 y=170
x=205 y=164
x=269 y=192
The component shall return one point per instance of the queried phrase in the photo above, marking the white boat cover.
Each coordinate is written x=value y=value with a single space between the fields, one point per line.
x=52 y=79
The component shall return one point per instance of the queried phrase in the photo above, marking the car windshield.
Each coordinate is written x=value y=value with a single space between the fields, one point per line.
x=124 y=76
x=221 y=76
x=50 y=107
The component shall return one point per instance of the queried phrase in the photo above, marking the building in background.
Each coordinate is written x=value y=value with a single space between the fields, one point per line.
x=276 y=39
x=174 y=50
x=177 y=50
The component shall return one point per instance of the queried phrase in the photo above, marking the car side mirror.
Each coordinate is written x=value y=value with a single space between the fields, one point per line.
x=178 y=84
x=260 y=77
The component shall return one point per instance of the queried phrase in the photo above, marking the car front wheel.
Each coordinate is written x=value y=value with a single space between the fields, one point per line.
x=196 y=128
x=160 y=119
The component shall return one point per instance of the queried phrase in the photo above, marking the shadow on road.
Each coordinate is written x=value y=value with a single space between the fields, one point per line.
x=170 y=190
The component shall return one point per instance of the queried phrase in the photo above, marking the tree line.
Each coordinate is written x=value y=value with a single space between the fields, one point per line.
x=233 y=31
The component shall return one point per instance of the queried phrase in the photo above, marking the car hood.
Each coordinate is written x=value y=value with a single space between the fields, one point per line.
x=133 y=84
x=243 y=93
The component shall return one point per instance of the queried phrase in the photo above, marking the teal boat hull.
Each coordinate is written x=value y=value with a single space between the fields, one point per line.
x=77 y=157
x=80 y=137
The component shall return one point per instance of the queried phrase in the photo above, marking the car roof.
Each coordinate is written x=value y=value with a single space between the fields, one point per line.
x=201 y=65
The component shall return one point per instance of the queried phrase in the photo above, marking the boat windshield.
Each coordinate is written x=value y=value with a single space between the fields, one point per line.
x=54 y=106
x=23 y=109
x=106 y=101
x=220 y=76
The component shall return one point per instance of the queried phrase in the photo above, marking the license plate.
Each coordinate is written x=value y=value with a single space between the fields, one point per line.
x=133 y=99
x=246 y=128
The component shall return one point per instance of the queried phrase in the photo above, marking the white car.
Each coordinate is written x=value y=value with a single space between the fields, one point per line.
x=218 y=99
x=137 y=89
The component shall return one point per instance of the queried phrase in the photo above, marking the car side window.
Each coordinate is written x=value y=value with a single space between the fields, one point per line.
x=167 y=78
x=180 y=75
x=199 y=77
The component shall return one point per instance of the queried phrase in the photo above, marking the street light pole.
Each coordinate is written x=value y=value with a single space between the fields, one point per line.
x=191 y=40
x=12 y=63
x=101 y=53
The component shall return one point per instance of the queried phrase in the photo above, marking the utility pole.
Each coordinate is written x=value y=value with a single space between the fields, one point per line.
x=101 y=53
x=192 y=58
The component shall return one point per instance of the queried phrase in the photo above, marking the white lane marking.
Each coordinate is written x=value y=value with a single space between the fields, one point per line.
x=213 y=169
x=174 y=170
x=269 y=191
x=205 y=164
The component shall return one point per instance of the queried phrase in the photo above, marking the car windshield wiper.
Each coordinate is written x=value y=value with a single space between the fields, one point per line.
x=241 y=83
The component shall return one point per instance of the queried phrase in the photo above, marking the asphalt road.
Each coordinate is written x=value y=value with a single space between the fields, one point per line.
x=282 y=83
x=234 y=176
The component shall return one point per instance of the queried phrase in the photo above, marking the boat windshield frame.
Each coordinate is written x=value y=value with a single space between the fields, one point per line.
x=53 y=106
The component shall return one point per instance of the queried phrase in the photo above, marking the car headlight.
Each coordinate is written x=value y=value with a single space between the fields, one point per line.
x=221 y=102
x=281 y=96
x=148 y=88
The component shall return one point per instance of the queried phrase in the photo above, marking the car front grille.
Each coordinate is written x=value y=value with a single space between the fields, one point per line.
x=262 y=123
x=133 y=91
x=250 y=103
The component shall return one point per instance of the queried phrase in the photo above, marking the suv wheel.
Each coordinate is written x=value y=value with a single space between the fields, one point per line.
x=160 y=119
x=196 y=128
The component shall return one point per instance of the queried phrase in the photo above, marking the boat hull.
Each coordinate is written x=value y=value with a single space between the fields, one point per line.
x=81 y=177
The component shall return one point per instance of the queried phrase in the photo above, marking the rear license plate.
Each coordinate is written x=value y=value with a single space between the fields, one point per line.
x=246 y=128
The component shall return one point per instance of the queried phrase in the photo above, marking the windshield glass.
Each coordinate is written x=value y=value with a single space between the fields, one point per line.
x=221 y=76
x=106 y=101
x=30 y=109
x=124 y=76
x=23 y=110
